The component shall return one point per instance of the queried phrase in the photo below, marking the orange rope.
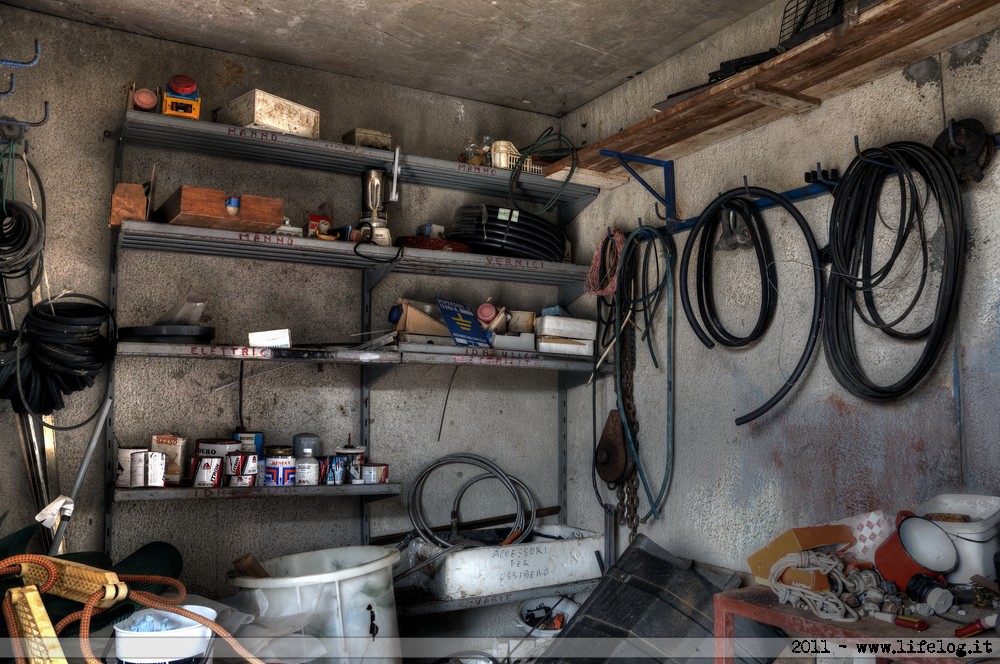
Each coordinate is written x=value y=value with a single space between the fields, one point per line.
x=13 y=565
x=12 y=630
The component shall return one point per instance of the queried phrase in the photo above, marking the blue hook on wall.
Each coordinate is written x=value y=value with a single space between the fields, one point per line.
x=31 y=63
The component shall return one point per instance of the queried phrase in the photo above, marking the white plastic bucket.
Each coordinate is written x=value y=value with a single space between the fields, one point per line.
x=976 y=540
x=532 y=610
x=342 y=596
x=184 y=638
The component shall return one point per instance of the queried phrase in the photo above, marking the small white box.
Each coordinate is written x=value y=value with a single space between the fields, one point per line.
x=490 y=570
x=569 y=328
x=271 y=339
x=562 y=346
x=523 y=341
x=264 y=110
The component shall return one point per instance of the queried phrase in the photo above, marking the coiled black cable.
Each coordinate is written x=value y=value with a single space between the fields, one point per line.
x=702 y=235
x=853 y=224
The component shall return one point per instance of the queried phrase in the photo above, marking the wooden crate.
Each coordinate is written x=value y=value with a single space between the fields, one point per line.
x=195 y=206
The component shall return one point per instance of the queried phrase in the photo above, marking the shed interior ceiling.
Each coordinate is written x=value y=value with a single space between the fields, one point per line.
x=548 y=56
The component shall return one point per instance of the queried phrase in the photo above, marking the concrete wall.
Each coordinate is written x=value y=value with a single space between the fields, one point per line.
x=822 y=453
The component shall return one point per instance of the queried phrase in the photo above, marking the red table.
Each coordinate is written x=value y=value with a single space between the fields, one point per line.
x=759 y=603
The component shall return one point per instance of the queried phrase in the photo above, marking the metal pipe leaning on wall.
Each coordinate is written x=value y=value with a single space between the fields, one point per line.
x=705 y=226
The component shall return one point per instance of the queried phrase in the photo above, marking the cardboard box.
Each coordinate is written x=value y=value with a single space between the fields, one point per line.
x=267 y=111
x=416 y=321
x=368 y=138
x=206 y=208
x=837 y=537
x=127 y=202
x=177 y=452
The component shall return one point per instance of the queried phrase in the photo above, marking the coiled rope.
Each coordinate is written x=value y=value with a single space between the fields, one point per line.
x=13 y=564
x=823 y=604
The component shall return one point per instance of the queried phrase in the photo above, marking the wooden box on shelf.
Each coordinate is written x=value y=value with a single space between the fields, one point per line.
x=196 y=206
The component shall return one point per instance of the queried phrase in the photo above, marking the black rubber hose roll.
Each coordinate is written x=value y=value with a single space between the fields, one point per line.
x=919 y=172
x=701 y=235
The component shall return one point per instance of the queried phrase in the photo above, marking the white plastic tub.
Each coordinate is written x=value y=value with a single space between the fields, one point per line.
x=976 y=540
x=555 y=555
x=343 y=596
x=183 y=638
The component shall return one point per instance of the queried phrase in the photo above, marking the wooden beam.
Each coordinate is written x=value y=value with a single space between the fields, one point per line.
x=885 y=38
x=792 y=102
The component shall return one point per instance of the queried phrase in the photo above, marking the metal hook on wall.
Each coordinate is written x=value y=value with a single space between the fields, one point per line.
x=857 y=151
x=10 y=88
x=12 y=122
x=31 y=63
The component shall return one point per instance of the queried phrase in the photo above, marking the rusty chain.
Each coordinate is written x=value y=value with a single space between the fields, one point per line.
x=628 y=491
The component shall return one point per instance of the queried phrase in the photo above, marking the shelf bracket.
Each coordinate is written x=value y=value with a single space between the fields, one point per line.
x=375 y=274
x=669 y=197
x=376 y=372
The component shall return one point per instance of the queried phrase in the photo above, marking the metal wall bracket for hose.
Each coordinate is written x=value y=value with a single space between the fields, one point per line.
x=669 y=197
x=29 y=63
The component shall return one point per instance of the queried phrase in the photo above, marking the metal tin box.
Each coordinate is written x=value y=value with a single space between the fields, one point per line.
x=545 y=560
x=369 y=138
x=266 y=111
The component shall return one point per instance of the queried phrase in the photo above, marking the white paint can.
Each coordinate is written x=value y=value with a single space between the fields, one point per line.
x=123 y=469
x=208 y=472
x=147 y=468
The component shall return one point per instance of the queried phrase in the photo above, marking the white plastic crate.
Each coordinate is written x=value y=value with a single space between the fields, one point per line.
x=491 y=570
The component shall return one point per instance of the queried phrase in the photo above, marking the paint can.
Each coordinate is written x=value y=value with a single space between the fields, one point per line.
x=375 y=473
x=241 y=480
x=217 y=447
x=241 y=463
x=250 y=441
x=123 y=469
x=208 y=472
x=279 y=468
x=177 y=454
x=147 y=468
x=354 y=457
x=335 y=470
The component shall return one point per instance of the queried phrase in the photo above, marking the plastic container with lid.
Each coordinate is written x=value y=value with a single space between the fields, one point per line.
x=976 y=535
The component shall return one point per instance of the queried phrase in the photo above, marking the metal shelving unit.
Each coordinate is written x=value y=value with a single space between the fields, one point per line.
x=374 y=263
x=369 y=492
x=160 y=131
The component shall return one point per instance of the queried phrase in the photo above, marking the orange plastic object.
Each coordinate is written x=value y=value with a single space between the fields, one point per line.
x=793 y=541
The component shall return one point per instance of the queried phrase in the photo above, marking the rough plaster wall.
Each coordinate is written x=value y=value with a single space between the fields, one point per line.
x=822 y=453
x=83 y=74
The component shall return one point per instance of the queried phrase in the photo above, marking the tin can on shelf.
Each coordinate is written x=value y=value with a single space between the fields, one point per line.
x=250 y=441
x=335 y=470
x=123 y=469
x=241 y=480
x=375 y=473
x=354 y=457
x=241 y=463
x=279 y=468
x=147 y=468
x=217 y=447
x=208 y=472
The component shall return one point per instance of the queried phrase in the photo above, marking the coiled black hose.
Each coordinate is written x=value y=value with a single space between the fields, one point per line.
x=706 y=224
x=22 y=236
x=853 y=224
x=58 y=350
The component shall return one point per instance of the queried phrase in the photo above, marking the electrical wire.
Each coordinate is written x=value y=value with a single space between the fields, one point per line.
x=854 y=276
x=22 y=231
x=706 y=224
x=565 y=146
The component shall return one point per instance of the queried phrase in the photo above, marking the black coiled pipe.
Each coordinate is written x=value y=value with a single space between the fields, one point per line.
x=701 y=235
x=854 y=277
